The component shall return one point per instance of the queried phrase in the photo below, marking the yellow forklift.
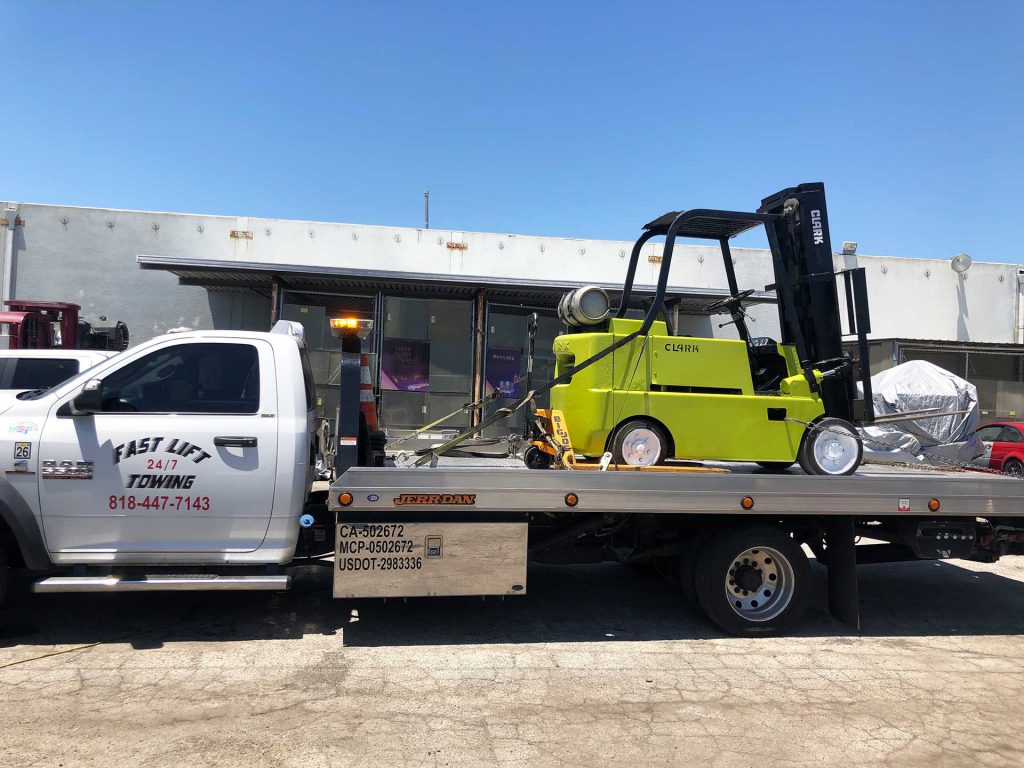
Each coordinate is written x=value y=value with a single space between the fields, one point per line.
x=634 y=389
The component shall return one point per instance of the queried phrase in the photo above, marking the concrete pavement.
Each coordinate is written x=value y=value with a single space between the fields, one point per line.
x=597 y=666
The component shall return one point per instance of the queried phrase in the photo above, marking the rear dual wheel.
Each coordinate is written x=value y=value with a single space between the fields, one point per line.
x=751 y=581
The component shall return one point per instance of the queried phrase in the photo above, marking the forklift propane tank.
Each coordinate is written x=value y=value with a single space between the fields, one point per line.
x=588 y=305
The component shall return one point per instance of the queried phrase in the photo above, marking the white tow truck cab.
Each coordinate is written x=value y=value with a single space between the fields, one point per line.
x=190 y=449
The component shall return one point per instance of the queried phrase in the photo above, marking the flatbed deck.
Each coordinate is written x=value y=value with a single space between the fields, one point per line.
x=503 y=486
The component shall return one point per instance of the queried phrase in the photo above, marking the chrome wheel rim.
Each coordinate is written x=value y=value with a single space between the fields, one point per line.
x=641 y=447
x=759 y=584
x=835 y=450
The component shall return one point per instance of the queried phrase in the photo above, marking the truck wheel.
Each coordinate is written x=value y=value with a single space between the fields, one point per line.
x=830 y=447
x=535 y=458
x=753 y=581
x=639 y=443
x=775 y=466
x=5 y=574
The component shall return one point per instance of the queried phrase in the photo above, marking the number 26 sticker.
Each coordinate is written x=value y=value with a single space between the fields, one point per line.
x=23 y=450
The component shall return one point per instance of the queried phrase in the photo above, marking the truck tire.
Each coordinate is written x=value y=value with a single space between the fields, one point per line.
x=830 y=447
x=753 y=581
x=639 y=443
x=5 y=574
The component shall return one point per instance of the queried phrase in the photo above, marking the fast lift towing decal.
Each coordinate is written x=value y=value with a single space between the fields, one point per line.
x=168 y=457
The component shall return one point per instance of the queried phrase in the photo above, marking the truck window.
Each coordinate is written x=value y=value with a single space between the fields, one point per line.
x=307 y=378
x=187 y=378
x=39 y=372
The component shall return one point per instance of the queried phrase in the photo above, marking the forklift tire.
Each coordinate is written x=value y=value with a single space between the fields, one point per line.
x=753 y=581
x=535 y=458
x=775 y=466
x=639 y=443
x=830 y=447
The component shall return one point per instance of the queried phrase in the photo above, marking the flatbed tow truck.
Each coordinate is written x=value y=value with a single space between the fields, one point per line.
x=187 y=463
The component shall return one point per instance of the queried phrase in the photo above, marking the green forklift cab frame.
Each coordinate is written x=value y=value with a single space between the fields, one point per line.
x=796 y=224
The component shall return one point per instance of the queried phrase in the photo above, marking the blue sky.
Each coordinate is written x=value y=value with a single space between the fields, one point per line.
x=575 y=119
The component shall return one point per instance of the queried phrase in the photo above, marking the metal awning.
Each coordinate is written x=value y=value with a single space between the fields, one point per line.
x=217 y=275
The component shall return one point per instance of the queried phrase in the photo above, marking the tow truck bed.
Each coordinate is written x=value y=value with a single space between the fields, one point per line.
x=503 y=486
x=470 y=526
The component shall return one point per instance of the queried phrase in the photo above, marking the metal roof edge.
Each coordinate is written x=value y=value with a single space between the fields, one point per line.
x=170 y=263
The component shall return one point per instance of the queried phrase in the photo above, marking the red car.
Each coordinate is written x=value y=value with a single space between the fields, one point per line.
x=1004 y=447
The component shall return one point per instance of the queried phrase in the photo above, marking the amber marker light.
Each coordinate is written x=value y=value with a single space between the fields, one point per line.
x=345 y=498
x=747 y=502
x=571 y=499
x=933 y=505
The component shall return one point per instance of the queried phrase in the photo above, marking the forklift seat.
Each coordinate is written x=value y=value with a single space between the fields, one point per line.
x=767 y=366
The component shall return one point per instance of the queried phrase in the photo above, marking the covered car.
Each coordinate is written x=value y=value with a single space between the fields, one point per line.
x=947 y=439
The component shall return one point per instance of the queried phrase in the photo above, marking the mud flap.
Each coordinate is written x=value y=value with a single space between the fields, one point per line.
x=841 y=560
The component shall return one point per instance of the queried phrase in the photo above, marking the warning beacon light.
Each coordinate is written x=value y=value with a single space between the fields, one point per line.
x=345 y=326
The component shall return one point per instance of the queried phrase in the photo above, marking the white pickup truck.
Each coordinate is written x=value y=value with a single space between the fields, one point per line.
x=190 y=449
x=25 y=370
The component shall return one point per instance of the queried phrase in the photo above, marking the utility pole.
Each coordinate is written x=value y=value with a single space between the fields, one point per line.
x=426 y=209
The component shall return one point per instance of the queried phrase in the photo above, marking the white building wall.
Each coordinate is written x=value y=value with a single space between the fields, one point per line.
x=88 y=255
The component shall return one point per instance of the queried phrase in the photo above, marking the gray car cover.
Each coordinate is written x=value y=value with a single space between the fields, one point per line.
x=916 y=386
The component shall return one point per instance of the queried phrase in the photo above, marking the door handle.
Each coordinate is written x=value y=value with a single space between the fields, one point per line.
x=234 y=442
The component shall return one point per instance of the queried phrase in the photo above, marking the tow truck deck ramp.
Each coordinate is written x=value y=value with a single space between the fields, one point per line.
x=469 y=527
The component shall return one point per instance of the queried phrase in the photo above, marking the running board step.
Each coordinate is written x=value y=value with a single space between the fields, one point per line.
x=161 y=583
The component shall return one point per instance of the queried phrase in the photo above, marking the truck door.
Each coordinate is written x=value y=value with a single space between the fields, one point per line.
x=182 y=458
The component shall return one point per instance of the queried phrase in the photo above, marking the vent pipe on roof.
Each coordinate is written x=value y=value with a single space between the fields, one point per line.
x=1019 y=330
x=11 y=217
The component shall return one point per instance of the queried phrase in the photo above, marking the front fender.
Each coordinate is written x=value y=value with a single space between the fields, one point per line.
x=18 y=517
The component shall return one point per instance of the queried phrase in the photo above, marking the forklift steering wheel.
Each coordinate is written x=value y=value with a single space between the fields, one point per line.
x=728 y=301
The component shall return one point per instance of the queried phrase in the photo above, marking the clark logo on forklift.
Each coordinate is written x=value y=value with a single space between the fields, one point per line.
x=464 y=499
x=819 y=236
x=695 y=348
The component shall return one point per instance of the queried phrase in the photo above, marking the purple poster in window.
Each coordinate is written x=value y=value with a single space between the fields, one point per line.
x=405 y=365
x=503 y=371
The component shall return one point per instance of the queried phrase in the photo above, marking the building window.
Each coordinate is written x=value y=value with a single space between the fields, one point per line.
x=426 y=361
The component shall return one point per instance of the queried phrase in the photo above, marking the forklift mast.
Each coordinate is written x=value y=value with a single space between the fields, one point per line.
x=805 y=281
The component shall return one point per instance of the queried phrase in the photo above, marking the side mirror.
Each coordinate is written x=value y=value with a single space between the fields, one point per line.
x=89 y=400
